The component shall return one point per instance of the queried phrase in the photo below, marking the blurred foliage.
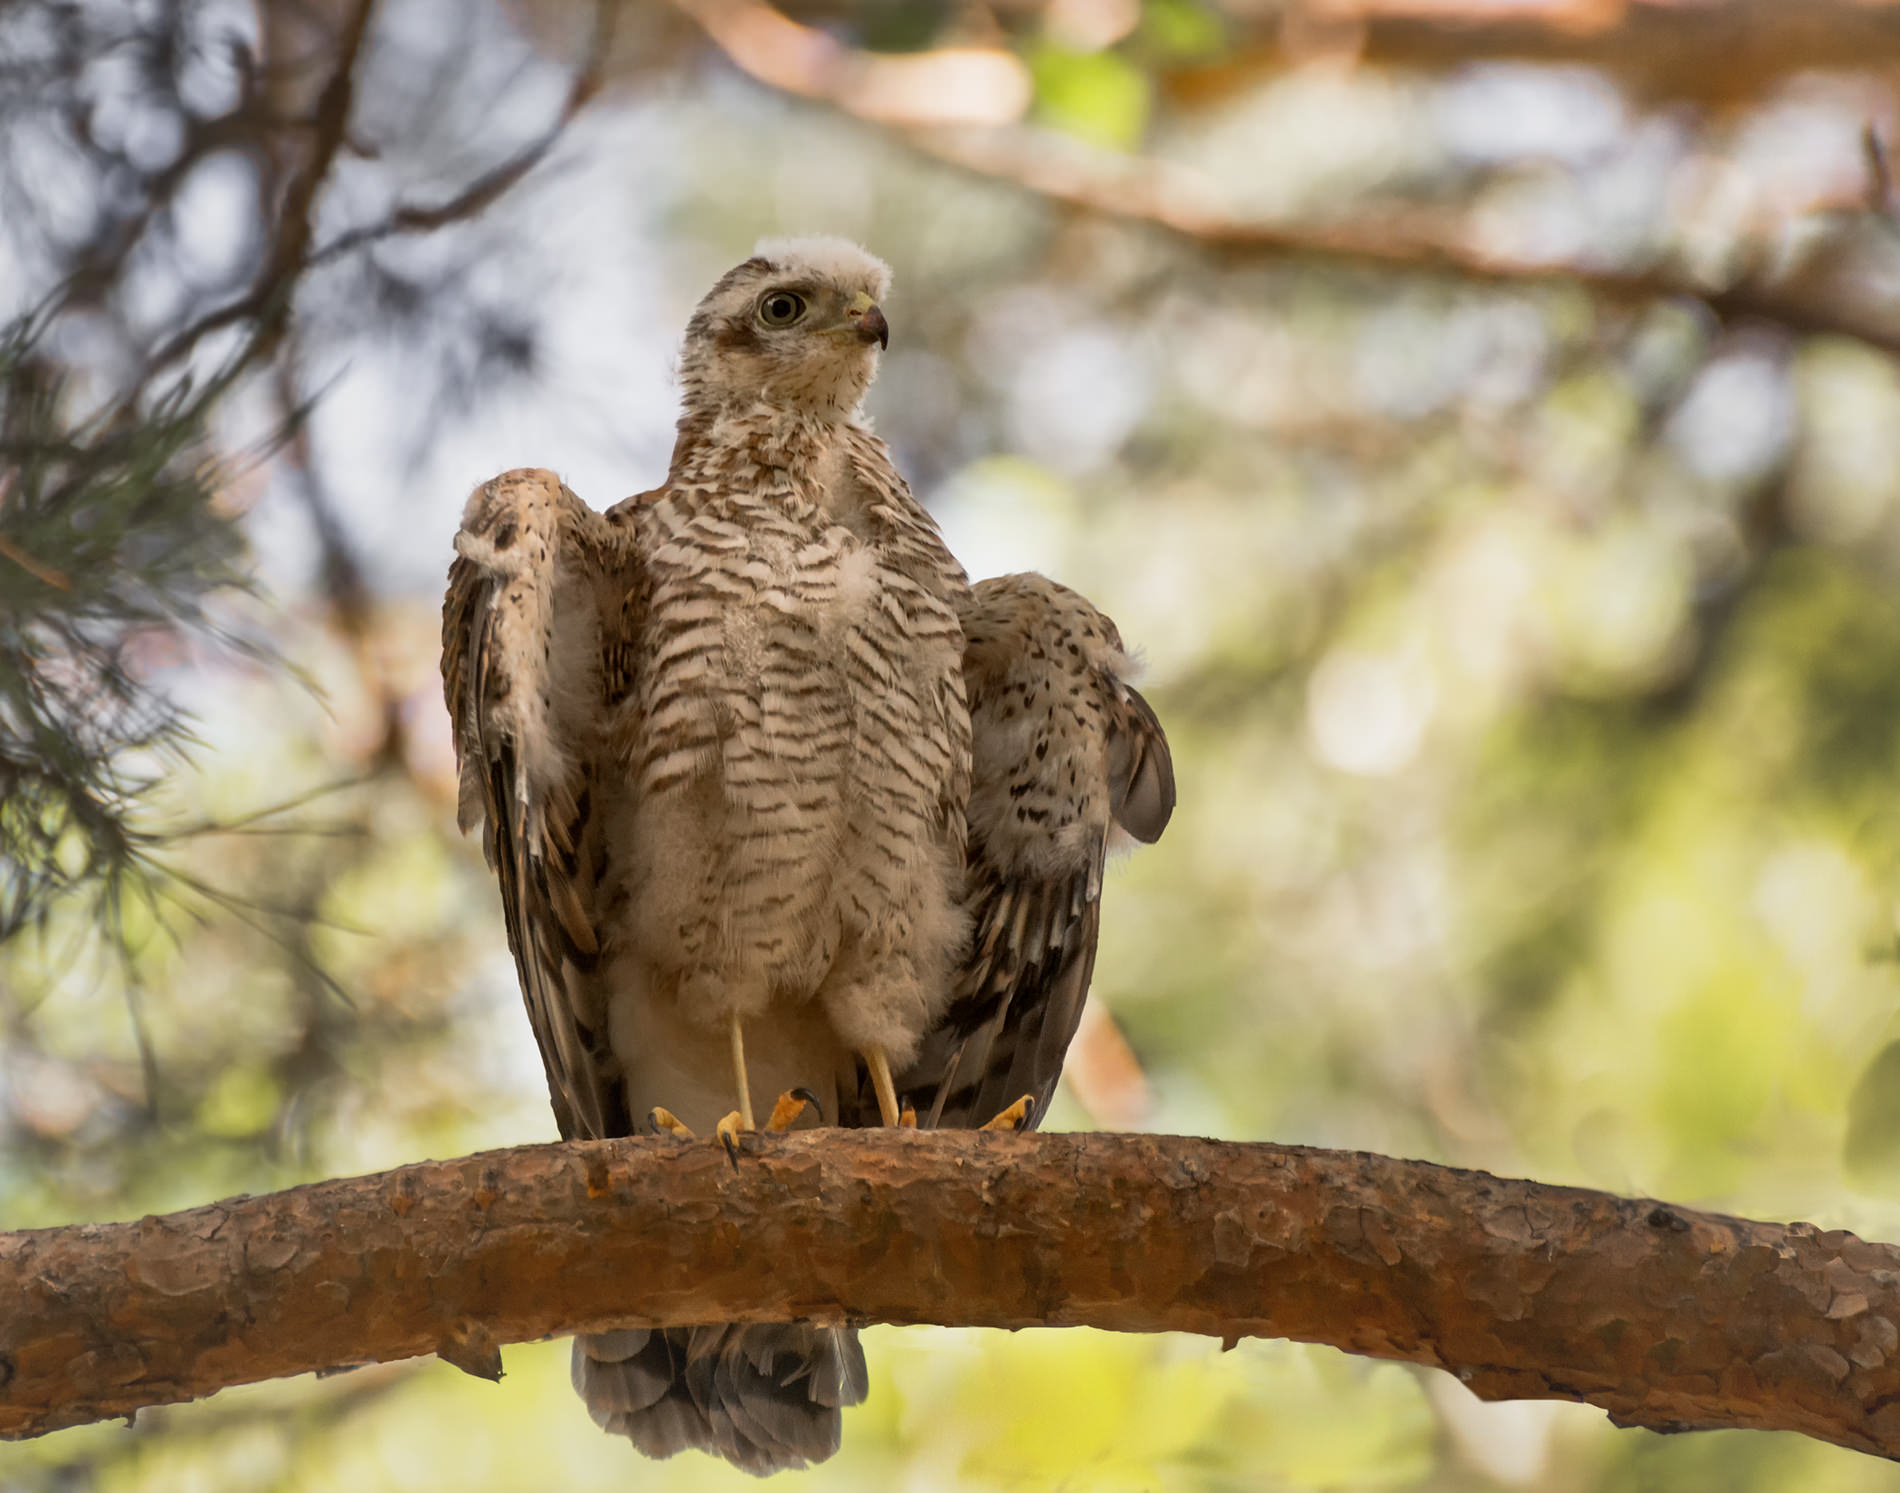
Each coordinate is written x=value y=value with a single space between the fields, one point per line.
x=110 y=538
x=1531 y=653
x=1096 y=96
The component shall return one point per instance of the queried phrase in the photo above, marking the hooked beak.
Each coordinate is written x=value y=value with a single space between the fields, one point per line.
x=867 y=320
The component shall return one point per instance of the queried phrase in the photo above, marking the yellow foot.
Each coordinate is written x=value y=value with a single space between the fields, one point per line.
x=1016 y=1117
x=908 y=1119
x=729 y=1130
x=792 y=1104
x=664 y=1120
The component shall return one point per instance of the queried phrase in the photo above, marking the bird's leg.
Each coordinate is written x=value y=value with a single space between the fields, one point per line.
x=880 y=1067
x=741 y=1118
x=738 y=1073
x=887 y=1104
x=1016 y=1117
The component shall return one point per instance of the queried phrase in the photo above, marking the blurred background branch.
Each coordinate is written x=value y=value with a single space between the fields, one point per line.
x=975 y=88
x=1722 y=54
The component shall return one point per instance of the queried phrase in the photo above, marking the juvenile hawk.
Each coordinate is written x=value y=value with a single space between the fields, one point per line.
x=779 y=802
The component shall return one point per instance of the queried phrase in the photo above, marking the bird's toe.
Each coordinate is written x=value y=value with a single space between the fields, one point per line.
x=1016 y=1117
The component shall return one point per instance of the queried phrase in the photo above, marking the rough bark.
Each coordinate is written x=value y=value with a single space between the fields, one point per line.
x=1664 y=1316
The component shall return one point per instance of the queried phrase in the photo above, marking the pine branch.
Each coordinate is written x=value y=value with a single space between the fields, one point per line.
x=110 y=535
x=1666 y=1317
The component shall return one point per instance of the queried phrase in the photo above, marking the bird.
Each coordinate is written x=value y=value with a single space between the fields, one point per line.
x=788 y=818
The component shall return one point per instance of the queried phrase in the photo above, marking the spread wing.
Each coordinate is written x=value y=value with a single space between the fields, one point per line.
x=538 y=626
x=1064 y=750
x=541 y=630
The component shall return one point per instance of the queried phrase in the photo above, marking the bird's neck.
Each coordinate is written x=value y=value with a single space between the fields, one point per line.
x=754 y=443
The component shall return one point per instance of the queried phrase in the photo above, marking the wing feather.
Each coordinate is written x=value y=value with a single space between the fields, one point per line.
x=1065 y=750
x=525 y=641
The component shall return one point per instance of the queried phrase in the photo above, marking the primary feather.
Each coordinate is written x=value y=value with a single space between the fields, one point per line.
x=1065 y=752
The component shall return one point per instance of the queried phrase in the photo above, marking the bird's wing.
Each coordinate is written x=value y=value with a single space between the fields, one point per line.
x=1064 y=751
x=540 y=632
x=538 y=628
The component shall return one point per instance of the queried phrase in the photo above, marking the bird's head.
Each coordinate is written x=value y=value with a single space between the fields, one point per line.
x=798 y=325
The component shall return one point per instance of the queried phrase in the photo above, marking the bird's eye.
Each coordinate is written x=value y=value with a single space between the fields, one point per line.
x=781 y=308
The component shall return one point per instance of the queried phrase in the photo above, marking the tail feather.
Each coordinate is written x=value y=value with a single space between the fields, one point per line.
x=766 y=1398
x=622 y=1373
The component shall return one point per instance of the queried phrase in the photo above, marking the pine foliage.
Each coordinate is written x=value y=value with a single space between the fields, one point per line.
x=111 y=542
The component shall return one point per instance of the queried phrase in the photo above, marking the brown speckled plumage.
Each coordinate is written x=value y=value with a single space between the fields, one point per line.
x=719 y=741
x=1066 y=751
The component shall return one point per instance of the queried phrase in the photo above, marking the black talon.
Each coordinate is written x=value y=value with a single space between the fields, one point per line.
x=812 y=1099
x=731 y=1144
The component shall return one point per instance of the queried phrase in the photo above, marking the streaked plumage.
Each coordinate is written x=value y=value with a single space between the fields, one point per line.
x=1065 y=752
x=720 y=744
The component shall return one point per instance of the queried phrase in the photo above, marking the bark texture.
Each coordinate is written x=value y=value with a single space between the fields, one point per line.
x=1665 y=1317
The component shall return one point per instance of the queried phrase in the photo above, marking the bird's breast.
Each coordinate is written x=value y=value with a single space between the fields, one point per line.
x=784 y=651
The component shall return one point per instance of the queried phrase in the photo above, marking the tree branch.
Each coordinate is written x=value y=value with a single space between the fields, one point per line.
x=294 y=251
x=1721 y=53
x=1710 y=52
x=1665 y=1317
x=1140 y=192
x=806 y=64
x=268 y=301
x=481 y=194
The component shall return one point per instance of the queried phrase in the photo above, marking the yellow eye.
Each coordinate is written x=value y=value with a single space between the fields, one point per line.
x=781 y=308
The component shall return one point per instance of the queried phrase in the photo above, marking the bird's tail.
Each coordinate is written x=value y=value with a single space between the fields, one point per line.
x=765 y=1397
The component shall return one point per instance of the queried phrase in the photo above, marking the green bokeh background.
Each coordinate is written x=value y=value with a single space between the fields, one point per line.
x=1531 y=665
